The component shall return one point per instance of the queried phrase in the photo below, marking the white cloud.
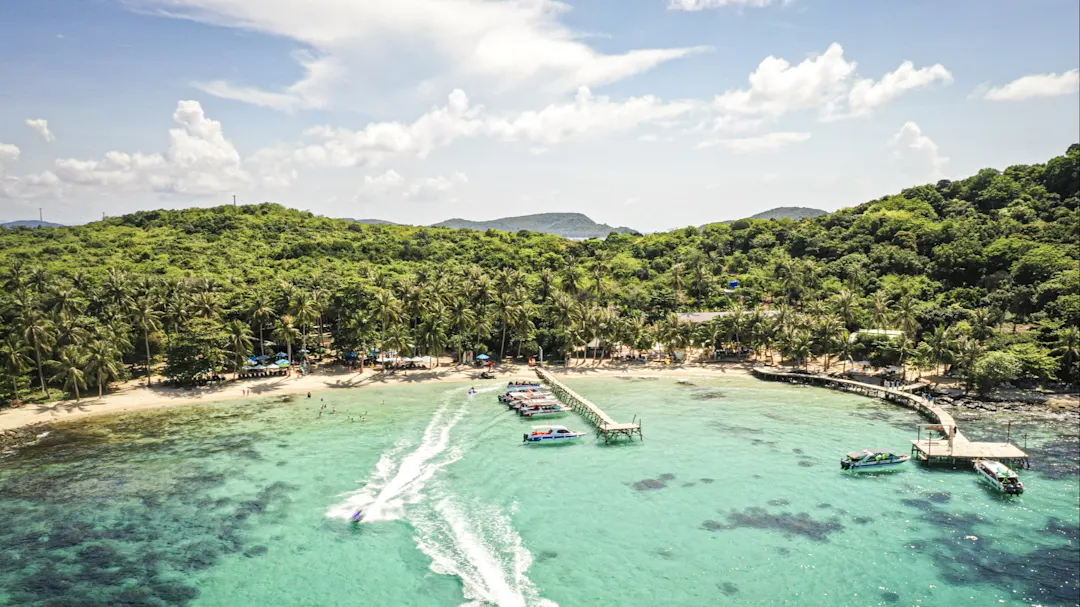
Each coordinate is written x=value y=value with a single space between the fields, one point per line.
x=9 y=152
x=485 y=46
x=344 y=147
x=584 y=117
x=41 y=127
x=378 y=186
x=763 y=143
x=700 y=5
x=587 y=115
x=1037 y=85
x=199 y=161
x=433 y=188
x=916 y=153
x=867 y=95
x=823 y=82
x=381 y=186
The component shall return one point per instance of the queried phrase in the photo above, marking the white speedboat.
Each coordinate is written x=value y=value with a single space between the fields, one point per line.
x=872 y=458
x=551 y=434
x=523 y=387
x=526 y=404
x=999 y=476
x=542 y=410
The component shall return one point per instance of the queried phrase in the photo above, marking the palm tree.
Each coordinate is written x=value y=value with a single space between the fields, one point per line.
x=881 y=310
x=40 y=333
x=14 y=360
x=285 y=332
x=102 y=361
x=905 y=317
x=69 y=370
x=1068 y=344
x=239 y=342
x=261 y=314
x=830 y=332
x=148 y=319
x=942 y=345
x=433 y=334
x=846 y=306
x=969 y=350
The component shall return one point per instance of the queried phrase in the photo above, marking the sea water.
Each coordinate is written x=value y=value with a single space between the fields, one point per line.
x=735 y=497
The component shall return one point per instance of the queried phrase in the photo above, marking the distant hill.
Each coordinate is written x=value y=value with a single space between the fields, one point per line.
x=567 y=225
x=376 y=222
x=30 y=223
x=788 y=213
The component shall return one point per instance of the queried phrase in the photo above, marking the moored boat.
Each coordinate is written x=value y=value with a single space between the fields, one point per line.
x=551 y=434
x=542 y=410
x=999 y=476
x=872 y=458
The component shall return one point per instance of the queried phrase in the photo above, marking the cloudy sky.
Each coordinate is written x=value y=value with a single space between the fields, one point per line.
x=647 y=113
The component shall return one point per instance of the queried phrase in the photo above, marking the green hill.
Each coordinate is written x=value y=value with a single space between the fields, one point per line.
x=788 y=213
x=948 y=263
x=567 y=225
x=30 y=223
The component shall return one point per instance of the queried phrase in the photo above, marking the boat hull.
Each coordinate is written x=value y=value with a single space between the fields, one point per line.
x=553 y=439
x=872 y=465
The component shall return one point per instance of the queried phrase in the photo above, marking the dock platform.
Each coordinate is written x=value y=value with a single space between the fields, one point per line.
x=605 y=425
x=951 y=448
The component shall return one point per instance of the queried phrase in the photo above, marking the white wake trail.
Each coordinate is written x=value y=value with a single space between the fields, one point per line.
x=481 y=547
x=392 y=484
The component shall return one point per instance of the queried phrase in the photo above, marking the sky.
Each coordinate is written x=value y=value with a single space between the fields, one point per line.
x=653 y=114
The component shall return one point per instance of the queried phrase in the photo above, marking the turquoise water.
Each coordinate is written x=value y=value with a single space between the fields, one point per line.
x=735 y=497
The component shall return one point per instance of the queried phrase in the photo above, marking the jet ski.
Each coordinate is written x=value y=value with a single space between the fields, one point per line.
x=357 y=516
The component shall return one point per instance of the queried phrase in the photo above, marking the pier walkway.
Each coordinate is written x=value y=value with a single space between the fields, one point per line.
x=951 y=448
x=605 y=425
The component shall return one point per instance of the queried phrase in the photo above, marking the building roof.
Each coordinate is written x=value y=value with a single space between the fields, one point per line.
x=699 y=317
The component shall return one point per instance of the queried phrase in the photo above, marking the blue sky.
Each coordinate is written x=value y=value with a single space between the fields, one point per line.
x=652 y=113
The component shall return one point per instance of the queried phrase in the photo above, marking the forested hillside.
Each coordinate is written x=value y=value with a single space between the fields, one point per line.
x=981 y=274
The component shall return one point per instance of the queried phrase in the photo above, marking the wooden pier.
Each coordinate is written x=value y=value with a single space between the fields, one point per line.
x=952 y=447
x=605 y=426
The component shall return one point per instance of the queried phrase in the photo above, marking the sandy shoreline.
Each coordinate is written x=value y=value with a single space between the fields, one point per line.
x=135 y=396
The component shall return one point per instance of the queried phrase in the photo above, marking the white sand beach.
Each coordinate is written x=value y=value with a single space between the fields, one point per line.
x=134 y=395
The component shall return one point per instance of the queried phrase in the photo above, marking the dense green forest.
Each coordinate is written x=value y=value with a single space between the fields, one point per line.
x=981 y=275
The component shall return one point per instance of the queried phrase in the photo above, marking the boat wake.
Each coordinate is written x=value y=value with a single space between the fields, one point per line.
x=395 y=483
x=480 y=546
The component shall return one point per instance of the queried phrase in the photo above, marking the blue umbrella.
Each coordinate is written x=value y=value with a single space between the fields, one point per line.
x=281 y=355
x=483 y=357
x=263 y=357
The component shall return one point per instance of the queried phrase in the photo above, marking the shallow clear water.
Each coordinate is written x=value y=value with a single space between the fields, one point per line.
x=734 y=497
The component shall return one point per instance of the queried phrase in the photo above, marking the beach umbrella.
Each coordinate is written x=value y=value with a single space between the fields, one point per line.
x=483 y=357
x=281 y=355
x=263 y=357
x=283 y=363
x=258 y=368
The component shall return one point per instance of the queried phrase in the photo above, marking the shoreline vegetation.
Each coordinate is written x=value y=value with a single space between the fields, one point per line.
x=975 y=282
x=136 y=396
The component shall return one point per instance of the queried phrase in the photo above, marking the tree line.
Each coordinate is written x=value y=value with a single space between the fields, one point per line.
x=980 y=274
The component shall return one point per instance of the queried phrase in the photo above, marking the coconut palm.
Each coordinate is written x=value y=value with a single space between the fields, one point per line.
x=261 y=314
x=14 y=361
x=102 y=362
x=845 y=304
x=905 y=317
x=148 y=320
x=285 y=332
x=1068 y=345
x=40 y=333
x=880 y=313
x=942 y=343
x=69 y=371
x=239 y=342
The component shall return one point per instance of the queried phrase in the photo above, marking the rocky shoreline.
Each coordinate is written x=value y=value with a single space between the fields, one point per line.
x=992 y=405
x=13 y=439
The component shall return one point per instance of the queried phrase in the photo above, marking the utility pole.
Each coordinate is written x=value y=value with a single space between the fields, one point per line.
x=40 y=215
x=234 y=200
